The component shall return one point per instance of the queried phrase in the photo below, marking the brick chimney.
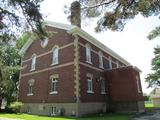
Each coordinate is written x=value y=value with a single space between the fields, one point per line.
x=75 y=17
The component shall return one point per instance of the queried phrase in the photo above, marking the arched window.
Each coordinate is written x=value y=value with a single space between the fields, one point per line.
x=88 y=53
x=33 y=64
x=100 y=59
x=55 y=56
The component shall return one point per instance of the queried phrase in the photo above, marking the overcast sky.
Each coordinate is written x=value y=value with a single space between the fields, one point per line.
x=131 y=43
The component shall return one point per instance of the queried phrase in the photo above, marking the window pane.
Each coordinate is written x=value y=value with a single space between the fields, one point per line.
x=88 y=54
x=55 y=56
x=33 y=63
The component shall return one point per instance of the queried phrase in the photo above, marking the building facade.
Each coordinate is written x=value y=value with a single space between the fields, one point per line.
x=72 y=73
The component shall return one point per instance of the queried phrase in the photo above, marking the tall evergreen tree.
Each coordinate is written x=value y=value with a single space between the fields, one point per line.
x=153 y=78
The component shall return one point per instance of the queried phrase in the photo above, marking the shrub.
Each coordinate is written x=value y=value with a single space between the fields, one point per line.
x=16 y=106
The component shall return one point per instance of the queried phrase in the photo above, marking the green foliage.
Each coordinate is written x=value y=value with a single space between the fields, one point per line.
x=153 y=78
x=16 y=106
x=118 y=12
x=17 y=16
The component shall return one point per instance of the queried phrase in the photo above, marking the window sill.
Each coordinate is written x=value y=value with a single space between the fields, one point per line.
x=89 y=62
x=101 y=67
x=103 y=93
x=90 y=92
x=29 y=94
x=32 y=70
x=53 y=93
x=54 y=64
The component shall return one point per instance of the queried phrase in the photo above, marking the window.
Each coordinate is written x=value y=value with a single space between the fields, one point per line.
x=53 y=111
x=117 y=63
x=103 y=90
x=89 y=83
x=110 y=63
x=55 y=56
x=138 y=84
x=88 y=54
x=30 y=87
x=44 y=42
x=100 y=59
x=33 y=65
x=54 y=81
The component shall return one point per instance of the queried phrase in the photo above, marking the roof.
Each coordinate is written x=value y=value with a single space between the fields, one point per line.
x=71 y=29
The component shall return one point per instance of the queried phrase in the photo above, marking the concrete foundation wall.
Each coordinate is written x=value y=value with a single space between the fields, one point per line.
x=63 y=109
x=91 y=108
x=128 y=106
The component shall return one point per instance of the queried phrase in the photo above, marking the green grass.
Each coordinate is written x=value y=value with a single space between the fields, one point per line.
x=149 y=105
x=95 y=117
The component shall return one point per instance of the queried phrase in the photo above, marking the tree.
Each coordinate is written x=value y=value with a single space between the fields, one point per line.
x=10 y=67
x=117 y=12
x=153 y=78
x=17 y=16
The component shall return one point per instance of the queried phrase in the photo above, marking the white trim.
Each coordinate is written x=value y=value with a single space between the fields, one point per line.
x=29 y=94
x=59 y=25
x=98 y=44
x=53 y=92
x=88 y=91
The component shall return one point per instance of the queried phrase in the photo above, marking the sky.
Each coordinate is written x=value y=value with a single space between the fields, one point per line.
x=131 y=44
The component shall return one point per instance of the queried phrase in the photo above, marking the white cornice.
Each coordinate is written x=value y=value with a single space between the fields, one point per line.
x=98 y=44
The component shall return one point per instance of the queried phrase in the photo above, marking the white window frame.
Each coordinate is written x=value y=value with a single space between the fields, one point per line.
x=117 y=64
x=33 y=64
x=53 y=111
x=88 y=53
x=100 y=54
x=55 y=55
x=138 y=84
x=90 y=83
x=54 y=83
x=103 y=87
x=110 y=63
x=30 y=89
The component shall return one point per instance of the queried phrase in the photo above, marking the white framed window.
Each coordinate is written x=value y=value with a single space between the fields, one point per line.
x=100 y=59
x=138 y=84
x=33 y=64
x=110 y=63
x=55 y=56
x=88 y=53
x=90 y=83
x=30 y=89
x=103 y=88
x=53 y=111
x=117 y=64
x=54 y=81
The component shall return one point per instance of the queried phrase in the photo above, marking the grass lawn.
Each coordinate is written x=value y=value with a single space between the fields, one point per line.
x=149 y=105
x=95 y=117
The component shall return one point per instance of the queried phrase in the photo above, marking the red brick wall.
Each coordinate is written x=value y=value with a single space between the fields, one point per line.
x=123 y=86
x=61 y=38
x=91 y=97
x=41 y=87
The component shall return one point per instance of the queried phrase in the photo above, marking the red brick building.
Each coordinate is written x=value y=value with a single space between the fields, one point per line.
x=72 y=73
